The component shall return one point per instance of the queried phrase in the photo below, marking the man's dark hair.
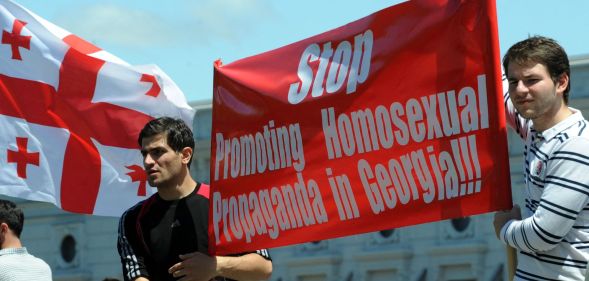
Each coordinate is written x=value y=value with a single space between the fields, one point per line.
x=178 y=134
x=12 y=216
x=539 y=49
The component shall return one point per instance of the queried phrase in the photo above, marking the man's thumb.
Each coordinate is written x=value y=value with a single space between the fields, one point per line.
x=187 y=256
x=516 y=210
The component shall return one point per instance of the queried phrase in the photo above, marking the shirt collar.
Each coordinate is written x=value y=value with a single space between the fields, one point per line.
x=552 y=132
x=11 y=251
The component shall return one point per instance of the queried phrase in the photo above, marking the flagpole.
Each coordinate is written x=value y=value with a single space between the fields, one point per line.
x=511 y=262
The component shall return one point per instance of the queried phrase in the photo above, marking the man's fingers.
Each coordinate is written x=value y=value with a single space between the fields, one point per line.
x=516 y=212
x=178 y=273
x=175 y=268
x=187 y=256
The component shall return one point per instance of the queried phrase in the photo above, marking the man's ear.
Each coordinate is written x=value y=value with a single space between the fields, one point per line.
x=3 y=232
x=562 y=83
x=3 y=228
x=186 y=155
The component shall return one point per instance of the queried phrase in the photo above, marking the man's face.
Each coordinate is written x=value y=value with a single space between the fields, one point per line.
x=533 y=92
x=162 y=164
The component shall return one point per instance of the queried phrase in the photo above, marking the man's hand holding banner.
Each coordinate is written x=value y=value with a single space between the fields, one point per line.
x=392 y=120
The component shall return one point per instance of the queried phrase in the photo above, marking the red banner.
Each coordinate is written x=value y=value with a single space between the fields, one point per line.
x=393 y=120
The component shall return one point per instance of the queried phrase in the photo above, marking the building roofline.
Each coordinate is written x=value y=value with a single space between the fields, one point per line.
x=579 y=60
x=201 y=104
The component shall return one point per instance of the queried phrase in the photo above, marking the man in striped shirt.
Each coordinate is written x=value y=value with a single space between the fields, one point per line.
x=16 y=264
x=552 y=238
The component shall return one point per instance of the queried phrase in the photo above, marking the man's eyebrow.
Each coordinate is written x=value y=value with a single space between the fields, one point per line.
x=146 y=150
x=526 y=76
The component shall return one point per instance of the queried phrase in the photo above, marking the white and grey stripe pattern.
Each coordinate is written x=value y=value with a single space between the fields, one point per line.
x=132 y=268
x=16 y=264
x=553 y=237
x=264 y=253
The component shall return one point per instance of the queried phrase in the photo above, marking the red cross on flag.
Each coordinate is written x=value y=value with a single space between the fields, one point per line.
x=70 y=114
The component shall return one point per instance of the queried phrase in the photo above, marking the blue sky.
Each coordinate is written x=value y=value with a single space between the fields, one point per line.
x=185 y=37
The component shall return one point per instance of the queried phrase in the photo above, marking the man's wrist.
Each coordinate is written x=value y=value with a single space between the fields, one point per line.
x=221 y=264
x=503 y=230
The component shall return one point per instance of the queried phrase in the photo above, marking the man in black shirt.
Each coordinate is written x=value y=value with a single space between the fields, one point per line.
x=165 y=237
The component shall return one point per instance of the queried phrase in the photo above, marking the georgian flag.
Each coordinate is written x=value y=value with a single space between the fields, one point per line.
x=70 y=114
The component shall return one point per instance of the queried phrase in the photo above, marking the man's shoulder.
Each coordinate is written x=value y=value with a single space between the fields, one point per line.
x=135 y=209
x=575 y=142
x=571 y=153
x=21 y=257
x=200 y=194
x=203 y=189
x=575 y=137
x=40 y=263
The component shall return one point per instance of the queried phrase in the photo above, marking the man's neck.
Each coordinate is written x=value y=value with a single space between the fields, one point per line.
x=549 y=120
x=178 y=190
x=10 y=243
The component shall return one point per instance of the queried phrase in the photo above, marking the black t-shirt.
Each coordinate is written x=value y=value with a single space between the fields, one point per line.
x=153 y=233
x=169 y=229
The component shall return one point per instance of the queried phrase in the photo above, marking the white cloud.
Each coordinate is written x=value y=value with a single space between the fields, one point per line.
x=117 y=25
x=199 y=22
x=232 y=20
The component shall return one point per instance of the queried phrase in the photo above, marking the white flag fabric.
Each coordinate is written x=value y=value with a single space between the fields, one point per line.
x=70 y=114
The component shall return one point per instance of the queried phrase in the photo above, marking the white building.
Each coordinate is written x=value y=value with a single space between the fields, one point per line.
x=80 y=247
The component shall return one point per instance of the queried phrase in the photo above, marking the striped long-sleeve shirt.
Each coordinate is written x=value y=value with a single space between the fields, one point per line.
x=552 y=239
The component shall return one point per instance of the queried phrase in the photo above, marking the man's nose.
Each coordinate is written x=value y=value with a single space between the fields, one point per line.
x=521 y=87
x=148 y=160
